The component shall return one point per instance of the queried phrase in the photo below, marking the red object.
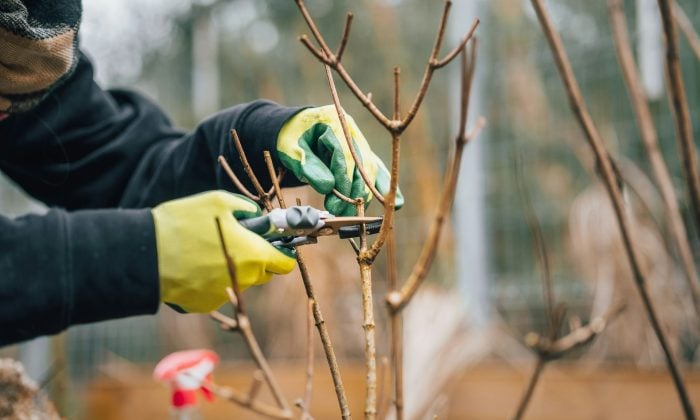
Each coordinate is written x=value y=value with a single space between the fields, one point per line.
x=187 y=373
x=3 y=115
x=184 y=398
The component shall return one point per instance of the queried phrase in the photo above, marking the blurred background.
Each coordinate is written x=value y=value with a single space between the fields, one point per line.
x=465 y=356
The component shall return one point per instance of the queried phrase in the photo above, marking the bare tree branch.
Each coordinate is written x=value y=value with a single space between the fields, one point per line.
x=530 y=388
x=325 y=339
x=246 y=166
x=397 y=300
x=651 y=143
x=242 y=326
x=344 y=39
x=368 y=324
x=273 y=176
x=324 y=54
x=686 y=27
x=681 y=112
x=348 y=137
x=606 y=167
x=237 y=182
x=305 y=403
x=434 y=64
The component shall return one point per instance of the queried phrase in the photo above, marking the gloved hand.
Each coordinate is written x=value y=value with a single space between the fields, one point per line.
x=191 y=263
x=311 y=145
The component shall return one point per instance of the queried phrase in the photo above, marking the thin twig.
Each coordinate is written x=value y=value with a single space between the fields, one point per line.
x=273 y=176
x=368 y=323
x=327 y=57
x=468 y=67
x=245 y=330
x=382 y=400
x=389 y=203
x=308 y=387
x=530 y=389
x=258 y=379
x=397 y=93
x=681 y=112
x=225 y=322
x=324 y=54
x=343 y=197
x=538 y=243
x=397 y=300
x=319 y=54
x=242 y=400
x=325 y=339
x=555 y=316
x=459 y=48
x=604 y=161
x=557 y=319
x=686 y=27
x=261 y=361
x=344 y=39
x=276 y=180
x=396 y=325
x=354 y=246
x=246 y=166
x=434 y=64
x=651 y=143
x=577 y=337
x=348 y=137
x=237 y=182
x=238 y=305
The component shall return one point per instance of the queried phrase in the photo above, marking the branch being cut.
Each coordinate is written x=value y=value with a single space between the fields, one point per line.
x=686 y=26
x=264 y=197
x=651 y=143
x=228 y=323
x=246 y=165
x=273 y=176
x=604 y=161
x=681 y=112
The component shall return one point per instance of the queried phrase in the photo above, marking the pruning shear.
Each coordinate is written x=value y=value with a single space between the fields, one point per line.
x=302 y=225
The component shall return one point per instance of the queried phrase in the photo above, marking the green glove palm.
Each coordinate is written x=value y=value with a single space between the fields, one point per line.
x=191 y=264
x=311 y=145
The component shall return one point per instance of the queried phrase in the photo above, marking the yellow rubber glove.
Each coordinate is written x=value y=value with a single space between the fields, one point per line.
x=191 y=264
x=312 y=145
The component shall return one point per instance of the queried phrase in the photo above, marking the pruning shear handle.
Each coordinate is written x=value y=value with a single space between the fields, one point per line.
x=301 y=225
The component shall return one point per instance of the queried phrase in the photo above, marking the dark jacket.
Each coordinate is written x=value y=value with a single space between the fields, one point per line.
x=102 y=158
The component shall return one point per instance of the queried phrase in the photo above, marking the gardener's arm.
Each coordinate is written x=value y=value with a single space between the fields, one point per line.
x=67 y=268
x=83 y=147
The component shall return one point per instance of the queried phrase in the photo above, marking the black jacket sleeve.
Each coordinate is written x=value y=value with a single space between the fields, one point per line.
x=63 y=268
x=86 y=148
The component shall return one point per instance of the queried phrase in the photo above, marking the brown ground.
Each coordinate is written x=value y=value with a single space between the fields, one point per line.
x=487 y=391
